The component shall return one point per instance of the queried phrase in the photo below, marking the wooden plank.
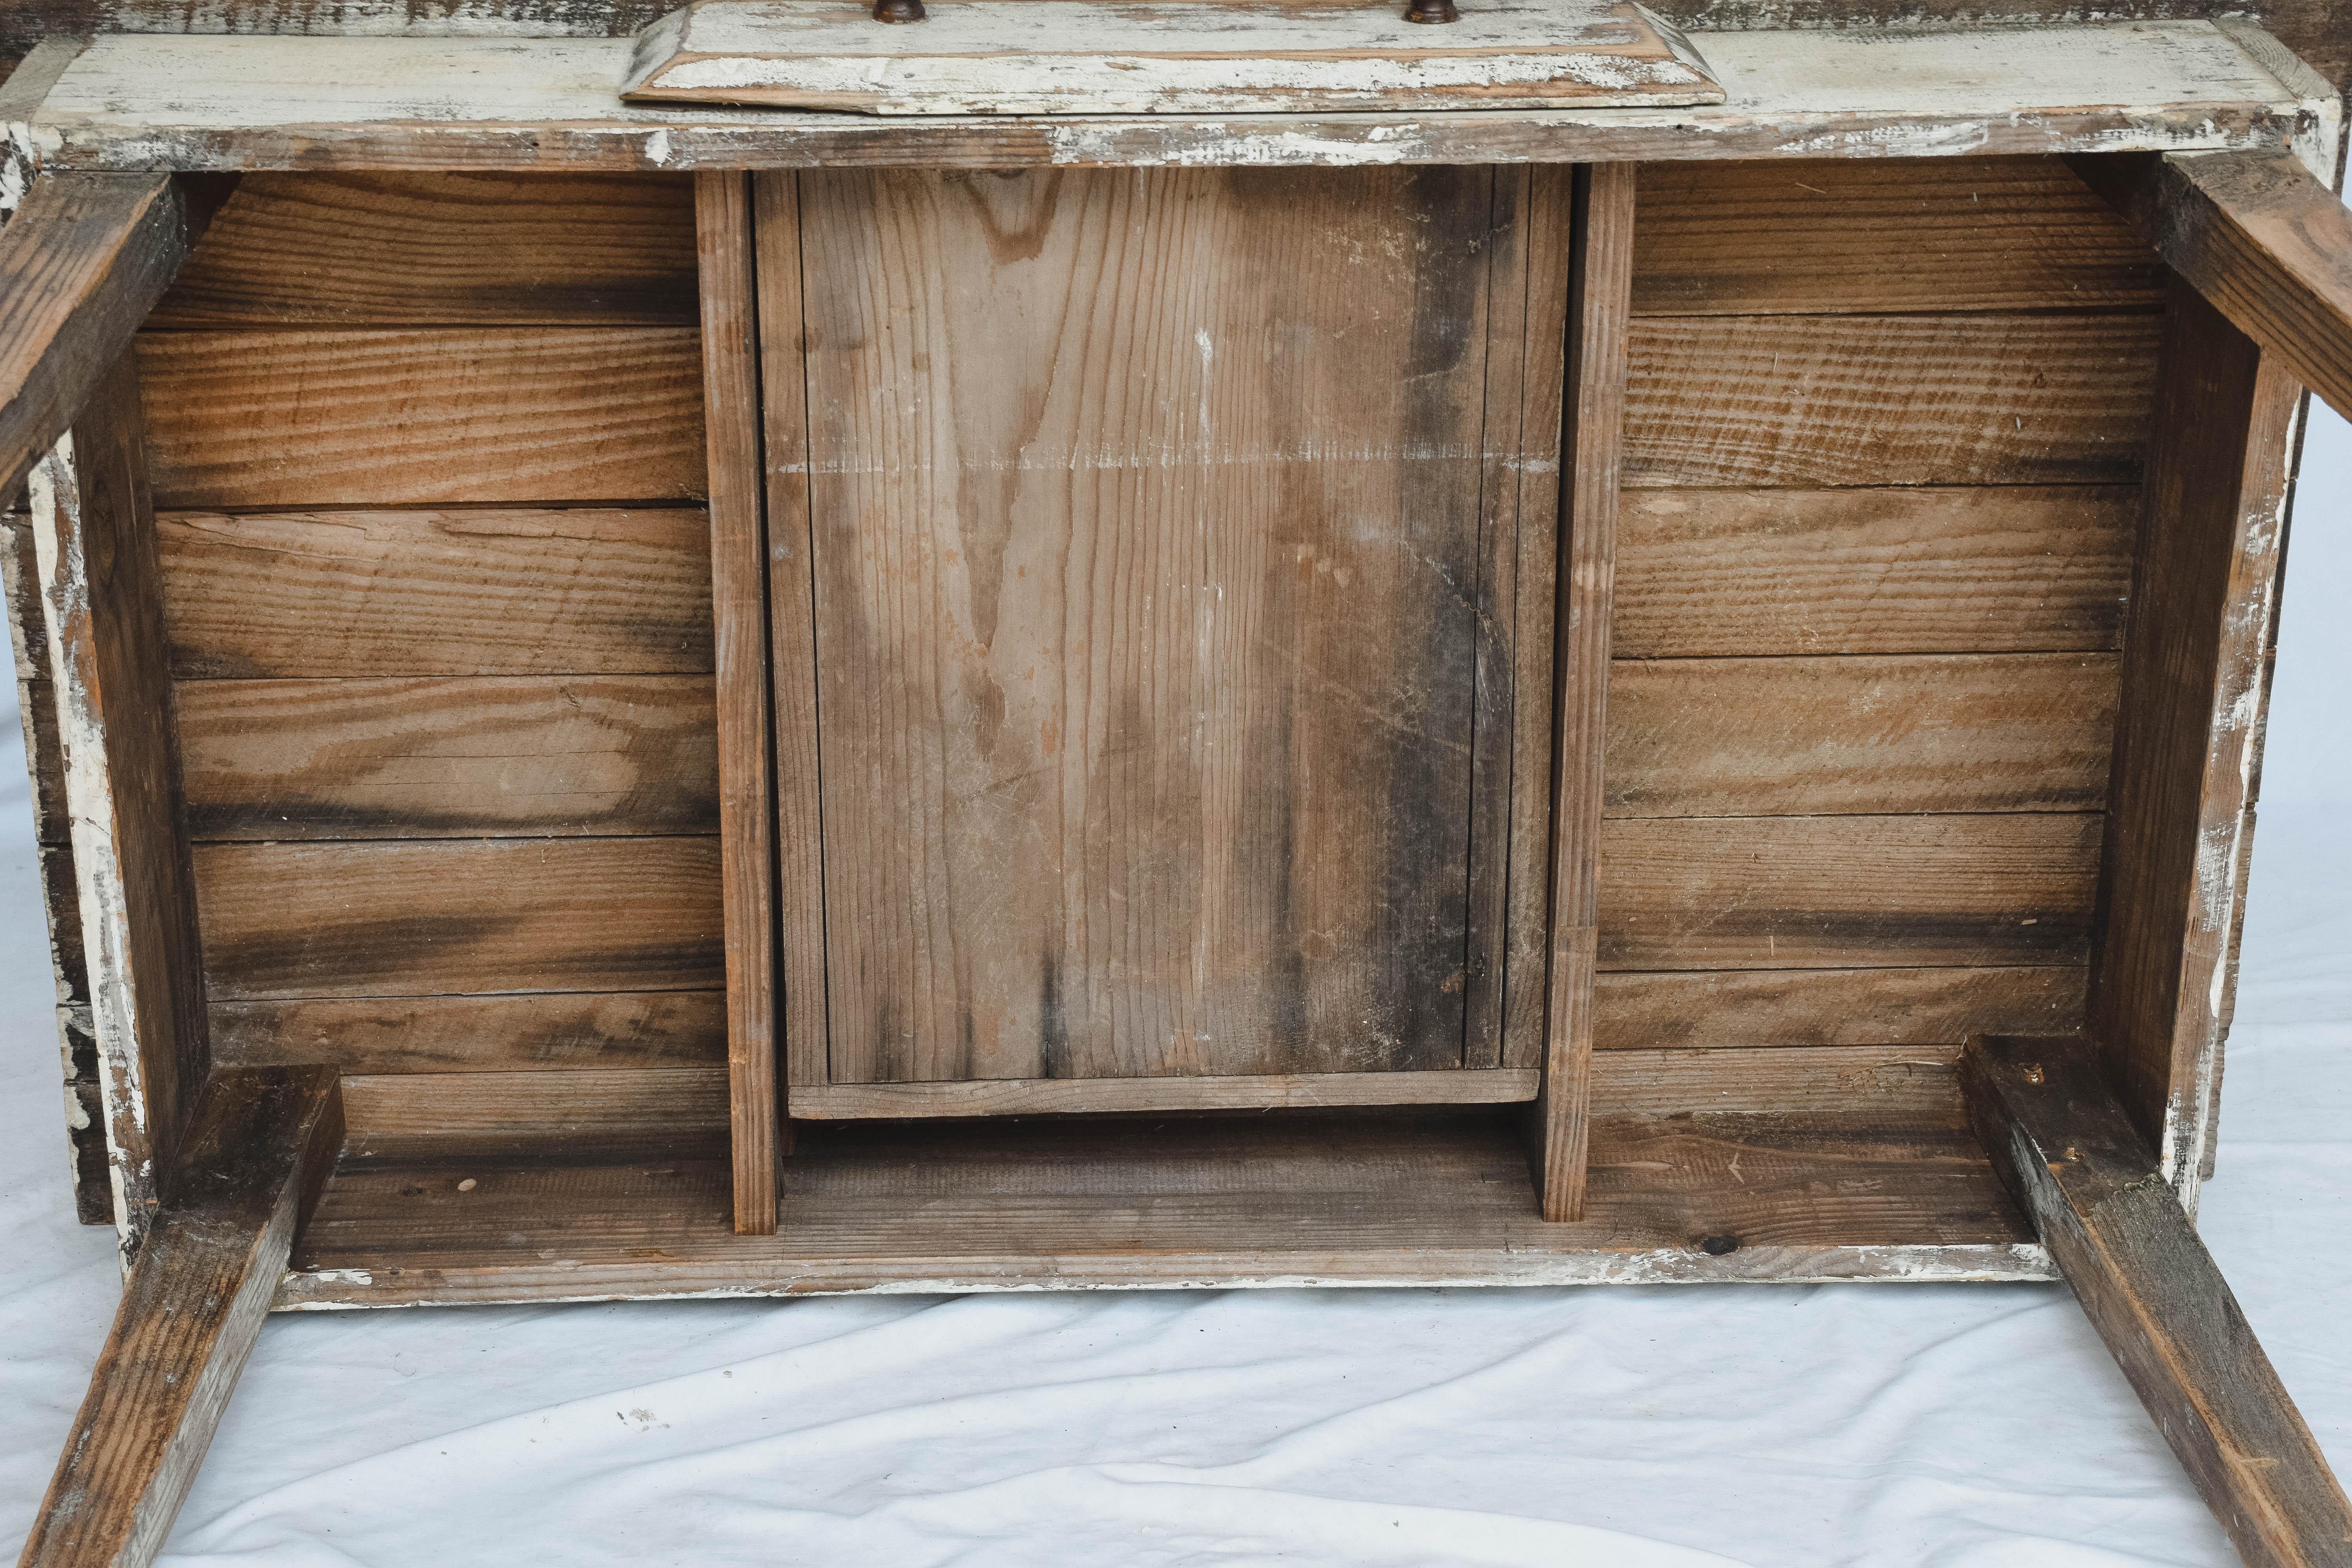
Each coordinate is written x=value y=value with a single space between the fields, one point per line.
x=2203 y=622
x=1847 y=892
x=558 y=1033
x=1888 y=400
x=1599 y=292
x=1635 y=1010
x=1173 y=57
x=2069 y=1154
x=1533 y=608
x=61 y=897
x=93 y=526
x=1838 y=236
x=1755 y=737
x=739 y=572
x=438 y=250
x=1114 y=785
x=2013 y=569
x=424 y=415
x=1263 y=1200
x=2268 y=244
x=585 y=1113
x=1058 y=1097
x=81 y=260
x=791 y=626
x=37 y=700
x=348 y=595
x=191 y=1311
x=546 y=103
x=447 y=757
x=428 y=917
x=1908 y=1085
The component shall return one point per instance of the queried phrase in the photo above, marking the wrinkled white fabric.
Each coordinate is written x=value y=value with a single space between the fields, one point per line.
x=1656 y=1427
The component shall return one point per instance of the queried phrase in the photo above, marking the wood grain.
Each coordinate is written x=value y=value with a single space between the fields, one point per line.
x=367 y=249
x=1888 y=400
x=2069 y=1154
x=424 y=416
x=791 y=626
x=2269 y=245
x=1058 y=1097
x=1114 y=785
x=81 y=260
x=93 y=524
x=2204 y=620
x=36 y=697
x=1942 y=732
x=345 y=594
x=1840 y=235
x=1263 y=1200
x=1847 y=892
x=1842 y=1008
x=2008 y=569
x=739 y=577
x=558 y=1031
x=191 y=1311
x=1599 y=292
x=61 y=897
x=283 y=921
x=446 y=757
x=583 y=1113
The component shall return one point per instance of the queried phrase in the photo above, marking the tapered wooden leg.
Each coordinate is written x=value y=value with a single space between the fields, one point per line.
x=264 y=1142
x=2062 y=1142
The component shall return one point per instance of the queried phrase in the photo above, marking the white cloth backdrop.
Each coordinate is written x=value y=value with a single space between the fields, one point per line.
x=1886 y=1423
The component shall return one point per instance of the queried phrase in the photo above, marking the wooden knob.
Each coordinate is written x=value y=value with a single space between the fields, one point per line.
x=897 y=10
x=1431 y=10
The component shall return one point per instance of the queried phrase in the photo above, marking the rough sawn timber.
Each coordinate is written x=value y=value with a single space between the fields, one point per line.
x=261 y=1147
x=2118 y=1234
x=487 y=103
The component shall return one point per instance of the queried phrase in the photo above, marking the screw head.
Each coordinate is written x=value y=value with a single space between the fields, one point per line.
x=2034 y=1072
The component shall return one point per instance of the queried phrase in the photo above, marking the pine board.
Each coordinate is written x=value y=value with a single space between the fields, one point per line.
x=352 y=595
x=2009 y=569
x=443 y=757
x=1834 y=1007
x=424 y=416
x=557 y=1032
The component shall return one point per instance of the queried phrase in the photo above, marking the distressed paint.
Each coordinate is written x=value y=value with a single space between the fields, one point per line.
x=55 y=501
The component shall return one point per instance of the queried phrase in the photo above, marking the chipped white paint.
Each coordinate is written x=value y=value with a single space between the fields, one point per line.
x=1172 y=57
x=260 y=102
x=762 y=1274
x=55 y=497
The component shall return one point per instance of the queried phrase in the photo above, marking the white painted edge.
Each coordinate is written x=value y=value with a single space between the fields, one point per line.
x=2319 y=142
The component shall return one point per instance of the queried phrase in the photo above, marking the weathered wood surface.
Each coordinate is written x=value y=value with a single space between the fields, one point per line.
x=1173 y=57
x=1722 y=1009
x=2268 y=244
x=1053 y=1097
x=415 y=102
x=1114 y=782
x=440 y=250
x=1592 y=454
x=725 y=241
x=2006 y=569
x=450 y=757
x=2112 y=1222
x=36 y=702
x=82 y=259
x=424 y=415
x=1833 y=236
x=554 y=1032
x=588 y=1113
x=431 y=918
x=61 y=893
x=1262 y=1200
x=1795 y=736
x=93 y=526
x=1841 y=892
x=490 y=592
x=791 y=626
x=259 y=1152
x=2204 y=604
x=1888 y=400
